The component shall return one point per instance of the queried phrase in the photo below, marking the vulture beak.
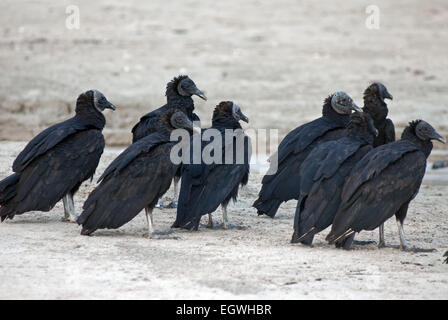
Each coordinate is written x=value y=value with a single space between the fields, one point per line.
x=387 y=95
x=110 y=106
x=356 y=108
x=438 y=137
x=242 y=116
x=237 y=114
x=200 y=94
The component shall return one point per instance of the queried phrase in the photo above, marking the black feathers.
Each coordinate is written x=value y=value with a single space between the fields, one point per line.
x=56 y=161
x=345 y=169
x=47 y=139
x=383 y=183
x=142 y=146
x=122 y=195
x=323 y=174
x=135 y=180
x=375 y=105
x=206 y=186
x=284 y=183
x=178 y=94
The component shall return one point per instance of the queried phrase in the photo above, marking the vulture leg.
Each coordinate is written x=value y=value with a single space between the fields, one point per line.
x=400 y=216
x=69 y=208
x=381 y=242
x=225 y=219
x=210 y=221
x=149 y=221
x=66 y=214
x=403 y=244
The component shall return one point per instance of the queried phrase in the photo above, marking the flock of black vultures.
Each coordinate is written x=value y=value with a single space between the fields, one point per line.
x=344 y=168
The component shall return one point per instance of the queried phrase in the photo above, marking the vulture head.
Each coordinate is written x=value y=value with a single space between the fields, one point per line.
x=229 y=109
x=424 y=131
x=176 y=119
x=185 y=87
x=377 y=90
x=342 y=103
x=93 y=99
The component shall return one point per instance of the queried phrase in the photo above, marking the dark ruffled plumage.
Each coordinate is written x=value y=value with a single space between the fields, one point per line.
x=135 y=180
x=323 y=174
x=382 y=184
x=375 y=105
x=55 y=162
x=149 y=122
x=206 y=186
x=284 y=185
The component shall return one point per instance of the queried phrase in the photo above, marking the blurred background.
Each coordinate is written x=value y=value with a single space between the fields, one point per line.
x=277 y=60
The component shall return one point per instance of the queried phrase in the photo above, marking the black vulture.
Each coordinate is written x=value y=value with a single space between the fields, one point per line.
x=54 y=164
x=178 y=94
x=284 y=183
x=135 y=179
x=383 y=183
x=323 y=173
x=375 y=105
x=207 y=184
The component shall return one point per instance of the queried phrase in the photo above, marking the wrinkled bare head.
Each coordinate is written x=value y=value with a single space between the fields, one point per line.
x=229 y=108
x=378 y=90
x=185 y=87
x=92 y=98
x=342 y=103
x=424 y=131
x=100 y=102
x=176 y=119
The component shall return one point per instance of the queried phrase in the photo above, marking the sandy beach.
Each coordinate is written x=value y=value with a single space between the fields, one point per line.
x=278 y=61
x=51 y=260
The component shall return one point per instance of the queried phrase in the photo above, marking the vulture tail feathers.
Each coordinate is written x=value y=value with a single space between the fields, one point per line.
x=268 y=207
x=8 y=187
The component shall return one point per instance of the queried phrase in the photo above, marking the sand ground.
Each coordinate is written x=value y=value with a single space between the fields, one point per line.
x=278 y=60
x=44 y=258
